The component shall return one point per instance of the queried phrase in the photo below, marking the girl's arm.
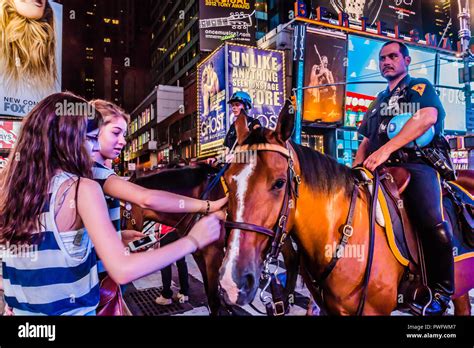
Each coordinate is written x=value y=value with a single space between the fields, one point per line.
x=123 y=266
x=162 y=201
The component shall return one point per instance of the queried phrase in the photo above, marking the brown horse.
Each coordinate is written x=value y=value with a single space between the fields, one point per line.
x=316 y=214
x=192 y=182
x=189 y=182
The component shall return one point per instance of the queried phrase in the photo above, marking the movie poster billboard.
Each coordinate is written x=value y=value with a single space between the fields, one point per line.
x=260 y=73
x=221 y=20
x=9 y=132
x=324 y=66
x=212 y=108
x=405 y=13
x=29 y=73
x=232 y=68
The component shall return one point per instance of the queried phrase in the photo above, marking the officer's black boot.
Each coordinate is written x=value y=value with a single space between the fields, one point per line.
x=439 y=260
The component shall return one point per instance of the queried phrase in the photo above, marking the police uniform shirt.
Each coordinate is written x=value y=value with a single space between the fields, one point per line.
x=231 y=136
x=409 y=96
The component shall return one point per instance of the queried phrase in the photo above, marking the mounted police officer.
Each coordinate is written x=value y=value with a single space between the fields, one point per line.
x=423 y=195
x=240 y=102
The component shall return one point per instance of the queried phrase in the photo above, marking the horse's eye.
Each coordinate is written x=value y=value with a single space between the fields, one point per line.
x=278 y=185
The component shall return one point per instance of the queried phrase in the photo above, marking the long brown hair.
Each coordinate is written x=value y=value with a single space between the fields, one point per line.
x=27 y=48
x=52 y=138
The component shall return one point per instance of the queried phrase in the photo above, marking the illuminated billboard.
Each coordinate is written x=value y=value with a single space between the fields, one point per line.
x=29 y=73
x=9 y=132
x=260 y=73
x=452 y=99
x=232 y=68
x=221 y=20
x=404 y=13
x=364 y=78
x=324 y=67
x=212 y=108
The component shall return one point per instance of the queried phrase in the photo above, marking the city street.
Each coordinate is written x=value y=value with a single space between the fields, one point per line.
x=150 y=286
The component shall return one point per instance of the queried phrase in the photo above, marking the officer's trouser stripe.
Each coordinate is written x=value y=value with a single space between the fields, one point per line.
x=440 y=196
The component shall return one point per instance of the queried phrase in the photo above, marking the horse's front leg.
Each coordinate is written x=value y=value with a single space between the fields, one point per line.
x=291 y=260
x=213 y=256
x=316 y=303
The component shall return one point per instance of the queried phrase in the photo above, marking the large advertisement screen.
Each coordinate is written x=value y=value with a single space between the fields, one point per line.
x=453 y=100
x=9 y=132
x=30 y=67
x=260 y=73
x=324 y=66
x=222 y=19
x=232 y=68
x=364 y=78
x=212 y=102
x=405 y=13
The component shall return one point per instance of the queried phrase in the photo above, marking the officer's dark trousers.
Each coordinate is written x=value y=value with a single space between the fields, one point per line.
x=423 y=196
x=424 y=206
x=166 y=272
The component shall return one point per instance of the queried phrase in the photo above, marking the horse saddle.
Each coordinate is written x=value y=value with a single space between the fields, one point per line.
x=458 y=200
x=393 y=182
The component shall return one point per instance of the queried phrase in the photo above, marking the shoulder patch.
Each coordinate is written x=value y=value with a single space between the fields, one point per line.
x=420 y=88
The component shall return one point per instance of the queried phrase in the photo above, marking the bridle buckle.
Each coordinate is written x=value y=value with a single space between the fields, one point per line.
x=278 y=308
x=348 y=231
x=282 y=221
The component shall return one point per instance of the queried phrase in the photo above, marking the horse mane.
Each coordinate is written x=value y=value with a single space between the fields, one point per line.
x=176 y=179
x=320 y=172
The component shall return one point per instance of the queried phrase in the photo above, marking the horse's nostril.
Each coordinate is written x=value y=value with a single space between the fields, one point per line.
x=249 y=282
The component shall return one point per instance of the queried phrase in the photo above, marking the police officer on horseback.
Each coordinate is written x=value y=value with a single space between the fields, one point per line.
x=240 y=102
x=423 y=195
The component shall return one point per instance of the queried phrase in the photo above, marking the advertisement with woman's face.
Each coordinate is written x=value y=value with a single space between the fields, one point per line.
x=30 y=53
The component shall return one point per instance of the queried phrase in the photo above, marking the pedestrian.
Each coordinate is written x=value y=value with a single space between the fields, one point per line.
x=106 y=136
x=53 y=220
x=168 y=235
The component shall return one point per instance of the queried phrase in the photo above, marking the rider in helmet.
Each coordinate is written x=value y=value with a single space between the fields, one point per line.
x=240 y=102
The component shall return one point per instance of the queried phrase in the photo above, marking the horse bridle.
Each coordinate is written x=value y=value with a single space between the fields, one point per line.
x=279 y=231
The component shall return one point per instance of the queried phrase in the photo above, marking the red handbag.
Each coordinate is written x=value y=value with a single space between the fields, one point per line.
x=111 y=300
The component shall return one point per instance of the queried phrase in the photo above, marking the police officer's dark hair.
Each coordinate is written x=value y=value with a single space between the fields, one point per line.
x=403 y=48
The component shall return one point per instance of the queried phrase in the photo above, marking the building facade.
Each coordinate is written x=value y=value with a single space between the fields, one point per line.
x=106 y=54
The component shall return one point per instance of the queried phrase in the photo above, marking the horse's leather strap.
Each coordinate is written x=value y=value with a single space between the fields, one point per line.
x=249 y=227
x=264 y=147
x=347 y=232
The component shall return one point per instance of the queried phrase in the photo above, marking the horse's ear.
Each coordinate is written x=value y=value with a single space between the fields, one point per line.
x=241 y=128
x=286 y=121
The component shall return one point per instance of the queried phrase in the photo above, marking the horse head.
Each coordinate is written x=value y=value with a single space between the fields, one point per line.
x=257 y=184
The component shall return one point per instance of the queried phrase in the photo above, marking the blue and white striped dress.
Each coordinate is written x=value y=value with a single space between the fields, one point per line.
x=57 y=276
